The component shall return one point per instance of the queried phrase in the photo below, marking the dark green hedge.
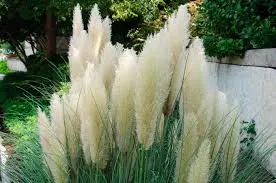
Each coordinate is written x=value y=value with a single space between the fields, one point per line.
x=229 y=28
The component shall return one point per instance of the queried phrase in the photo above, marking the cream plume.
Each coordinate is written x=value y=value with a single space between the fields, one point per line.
x=52 y=136
x=122 y=107
x=96 y=125
x=152 y=86
x=78 y=49
x=187 y=148
x=72 y=126
x=199 y=171
x=178 y=32
x=99 y=34
x=196 y=84
x=109 y=61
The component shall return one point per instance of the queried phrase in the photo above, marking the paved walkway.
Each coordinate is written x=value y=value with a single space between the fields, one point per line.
x=16 y=65
x=3 y=158
x=2 y=76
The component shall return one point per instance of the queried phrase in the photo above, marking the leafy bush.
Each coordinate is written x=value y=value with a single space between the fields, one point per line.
x=135 y=20
x=248 y=132
x=19 y=117
x=229 y=28
x=4 y=68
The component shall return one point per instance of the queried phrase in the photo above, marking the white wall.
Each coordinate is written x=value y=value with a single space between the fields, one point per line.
x=255 y=89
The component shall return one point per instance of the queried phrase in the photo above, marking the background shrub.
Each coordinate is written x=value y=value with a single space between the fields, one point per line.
x=229 y=28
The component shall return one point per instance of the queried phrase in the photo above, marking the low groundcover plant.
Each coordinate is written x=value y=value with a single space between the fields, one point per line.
x=148 y=117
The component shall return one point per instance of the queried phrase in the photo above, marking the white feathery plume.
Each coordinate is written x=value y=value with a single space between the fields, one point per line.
x=123 y=112
x=152 y=86
x=205 y=113
x=177 y=81
x=187 y=148
x=178 y=32
x=178 y=40
x=77 y=21
x=55 y=156
x=106 y=31
x=199 y=171
x=78 y=56
x=109 y=60
x=57 y=119
x=94 y=118
x=72 y=126
x=78 y=52
x=85 y=138
x=44 y=131
x=196 y=84
x=99 y=33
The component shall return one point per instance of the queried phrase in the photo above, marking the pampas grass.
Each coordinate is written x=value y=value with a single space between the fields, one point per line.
x=152 y=86
x=196 y=84
x=72 y=127
x=199 y=171
x=123 y=113
x=187 y=148
x=178 y=33
x=178 y=39
x=78 y=51
x=109 y=61
x=151 y=117
x=99 y=34
x=94 y=118
x=54 y=149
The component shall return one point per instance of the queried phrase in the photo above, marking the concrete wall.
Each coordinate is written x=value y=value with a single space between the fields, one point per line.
x=252 y=81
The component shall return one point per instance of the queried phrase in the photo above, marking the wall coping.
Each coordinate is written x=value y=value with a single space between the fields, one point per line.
x=258 y=58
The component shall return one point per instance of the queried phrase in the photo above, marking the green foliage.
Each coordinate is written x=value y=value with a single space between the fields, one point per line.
x=4 y=68
x=20 y=119
x=133 y=20
x=127 y=9
x=136 y=20
x=229 y=28
x=5 y=46
x=248 y=131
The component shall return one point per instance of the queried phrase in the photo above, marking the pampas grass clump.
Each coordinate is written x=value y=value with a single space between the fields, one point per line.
x=154 y=116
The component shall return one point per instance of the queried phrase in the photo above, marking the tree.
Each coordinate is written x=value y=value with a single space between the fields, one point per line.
x=39 y=22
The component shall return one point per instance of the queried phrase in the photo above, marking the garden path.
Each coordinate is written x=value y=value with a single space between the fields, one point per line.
x=3 y=158
x=2 y=76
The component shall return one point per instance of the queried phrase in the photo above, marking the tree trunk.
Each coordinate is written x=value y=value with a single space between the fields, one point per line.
x=50 y=32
